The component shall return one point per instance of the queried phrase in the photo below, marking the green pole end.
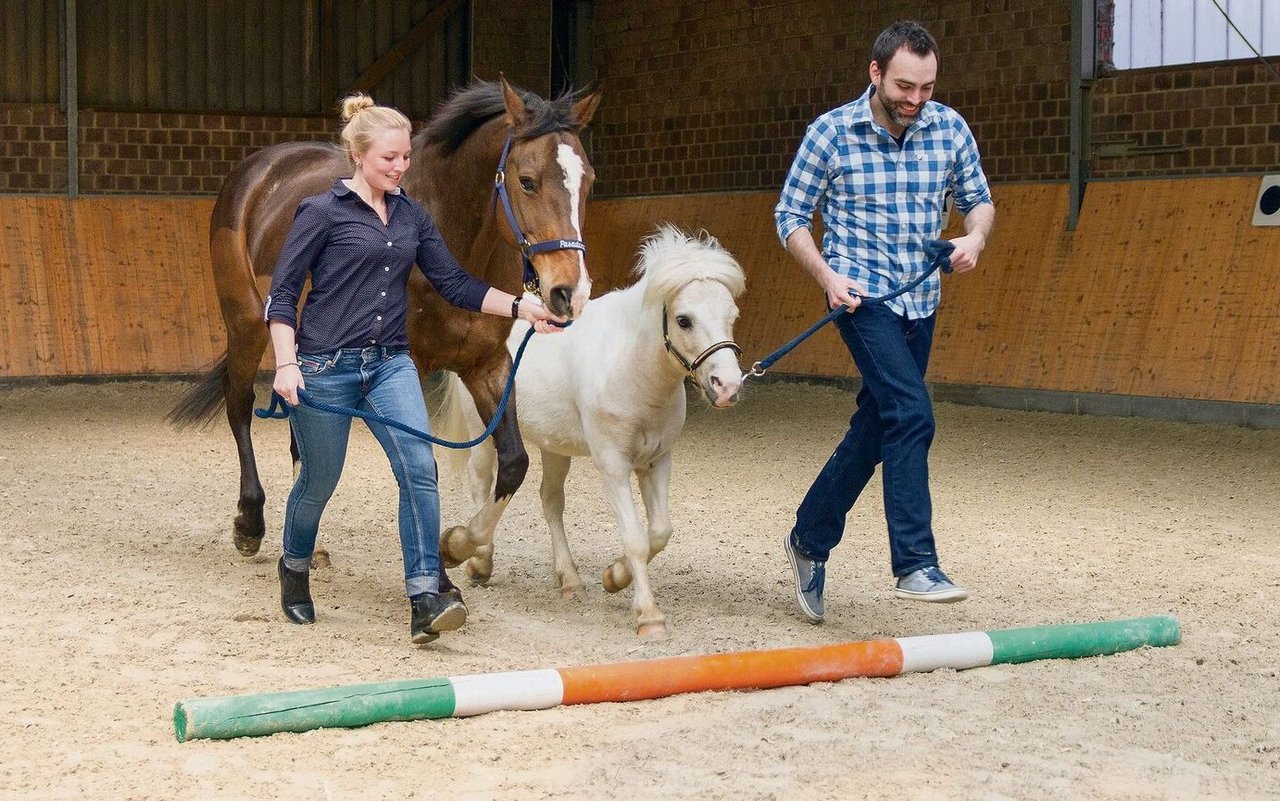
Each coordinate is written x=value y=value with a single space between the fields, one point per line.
x=1075 y=640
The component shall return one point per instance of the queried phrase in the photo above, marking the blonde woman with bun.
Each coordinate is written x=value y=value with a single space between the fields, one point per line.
x=358 y=243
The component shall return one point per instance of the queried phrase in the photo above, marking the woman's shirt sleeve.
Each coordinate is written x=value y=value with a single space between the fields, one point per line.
x=302 y=248
x=454 y=284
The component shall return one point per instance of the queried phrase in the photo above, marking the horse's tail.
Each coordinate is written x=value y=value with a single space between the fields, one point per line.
x=200 y=404
x=453 y=417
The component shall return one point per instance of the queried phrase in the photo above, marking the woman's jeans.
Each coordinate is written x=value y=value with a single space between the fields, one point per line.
x=383 y=381
x=893 y=425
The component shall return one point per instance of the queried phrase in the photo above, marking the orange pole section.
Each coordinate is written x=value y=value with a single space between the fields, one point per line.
x=745 y=670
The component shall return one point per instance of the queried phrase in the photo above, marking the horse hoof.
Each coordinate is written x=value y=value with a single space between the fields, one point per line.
x=653 y=631
x=320 y=558
x=614 y=583
x=573 y=593
x=456 y=546
x=248 y=544
x=477 y=577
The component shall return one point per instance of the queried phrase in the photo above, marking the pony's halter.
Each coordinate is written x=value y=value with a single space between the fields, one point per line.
x=691 y=367
x=527 y=249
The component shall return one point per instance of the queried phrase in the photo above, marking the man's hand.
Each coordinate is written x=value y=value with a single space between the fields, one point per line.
x=968 y=248
x=842 y=291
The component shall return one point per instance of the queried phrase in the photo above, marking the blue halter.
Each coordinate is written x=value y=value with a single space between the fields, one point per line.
x=527 y=249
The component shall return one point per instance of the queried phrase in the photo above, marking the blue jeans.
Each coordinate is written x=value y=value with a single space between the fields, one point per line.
x=383 y=381
x=893 y=425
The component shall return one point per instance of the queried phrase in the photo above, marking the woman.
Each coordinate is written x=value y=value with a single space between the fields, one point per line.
x=358 y=242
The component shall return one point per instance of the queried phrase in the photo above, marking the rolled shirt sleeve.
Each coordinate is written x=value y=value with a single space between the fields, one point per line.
x=806 y=181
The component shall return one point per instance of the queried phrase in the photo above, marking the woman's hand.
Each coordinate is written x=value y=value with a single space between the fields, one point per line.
x=288 y=381
x=543 y=321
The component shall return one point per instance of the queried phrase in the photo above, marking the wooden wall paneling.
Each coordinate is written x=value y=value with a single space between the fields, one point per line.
x=33 y=312
x=990 y=326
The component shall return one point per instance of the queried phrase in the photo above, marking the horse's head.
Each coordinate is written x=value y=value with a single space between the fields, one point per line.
x=696 y=282
x=543 y=183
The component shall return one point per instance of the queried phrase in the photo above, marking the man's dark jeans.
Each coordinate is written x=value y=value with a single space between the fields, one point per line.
x=893 y=425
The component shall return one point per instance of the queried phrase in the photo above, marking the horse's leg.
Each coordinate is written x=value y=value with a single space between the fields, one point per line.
x=654 y=489
x=245 y=345
x=555 y=468
x=650 y=622
x=459 y=543
x=482 y=469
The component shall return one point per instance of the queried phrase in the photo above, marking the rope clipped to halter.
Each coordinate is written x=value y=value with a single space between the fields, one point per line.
x=279 y=409
x=527 y=249
x=939 y=253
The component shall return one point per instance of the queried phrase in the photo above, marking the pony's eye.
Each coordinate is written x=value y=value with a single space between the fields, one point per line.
x=527 y=184
x=684 y=322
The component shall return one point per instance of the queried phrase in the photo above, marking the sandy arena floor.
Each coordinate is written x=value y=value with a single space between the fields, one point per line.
x=122 y=594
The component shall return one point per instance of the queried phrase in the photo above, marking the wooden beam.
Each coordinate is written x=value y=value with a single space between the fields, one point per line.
x=402 y=49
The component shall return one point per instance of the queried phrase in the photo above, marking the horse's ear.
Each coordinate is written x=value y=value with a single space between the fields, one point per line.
x=585 y=109
x=515 y=106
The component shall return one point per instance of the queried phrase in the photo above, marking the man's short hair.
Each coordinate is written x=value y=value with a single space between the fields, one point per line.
x=905 y=33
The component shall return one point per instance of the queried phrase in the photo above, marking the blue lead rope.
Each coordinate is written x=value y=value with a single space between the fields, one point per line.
x=279 y=409
x=939 y=253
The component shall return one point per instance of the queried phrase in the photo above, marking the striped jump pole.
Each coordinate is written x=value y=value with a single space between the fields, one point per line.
x=461 y=696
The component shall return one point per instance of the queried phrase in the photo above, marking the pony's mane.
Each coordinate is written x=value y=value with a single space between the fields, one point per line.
x=472 y=106
x=669 y=259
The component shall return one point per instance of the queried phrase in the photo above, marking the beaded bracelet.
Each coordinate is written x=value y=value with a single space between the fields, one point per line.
x=286 y=364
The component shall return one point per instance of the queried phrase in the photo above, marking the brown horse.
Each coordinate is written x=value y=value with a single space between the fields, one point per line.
x=503 y=174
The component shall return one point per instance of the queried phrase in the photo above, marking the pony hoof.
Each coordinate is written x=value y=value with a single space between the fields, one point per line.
x=578 y=593
x=477 y=577
x=611 y=582
x=456 y=546
x=653 y=631
x=320 y=558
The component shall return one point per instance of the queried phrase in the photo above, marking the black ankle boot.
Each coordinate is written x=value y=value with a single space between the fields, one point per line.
x=450 y=590
x=295 y=594
x=432 y=614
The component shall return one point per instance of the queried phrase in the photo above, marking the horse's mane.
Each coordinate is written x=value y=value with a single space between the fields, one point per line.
x=472 y=106
x=669 y=259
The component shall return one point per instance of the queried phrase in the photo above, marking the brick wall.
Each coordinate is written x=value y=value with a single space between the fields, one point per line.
x=1194 y=120
x=704 y=96
x=714 y=95
x=512 y=37
x=139 y=152
x=33 y=149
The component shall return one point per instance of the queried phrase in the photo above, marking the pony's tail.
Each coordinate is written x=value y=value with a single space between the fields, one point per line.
x=200 y=404
x=453 y=417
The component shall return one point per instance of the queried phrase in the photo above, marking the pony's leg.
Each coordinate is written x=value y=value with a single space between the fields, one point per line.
x=654 y=489
x=459 y=543
x=650 y=622
x=555 y=468
x=245 y=345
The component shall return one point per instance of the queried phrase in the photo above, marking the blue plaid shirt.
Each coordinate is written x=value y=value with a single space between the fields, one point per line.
x=882 y=202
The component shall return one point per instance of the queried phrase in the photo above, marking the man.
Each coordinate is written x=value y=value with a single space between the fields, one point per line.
x=878 y=169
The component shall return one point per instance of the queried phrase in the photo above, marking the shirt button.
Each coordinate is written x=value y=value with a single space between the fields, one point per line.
x=383 y=294
x=379 y=318
x=386 y=269
x=388 y=244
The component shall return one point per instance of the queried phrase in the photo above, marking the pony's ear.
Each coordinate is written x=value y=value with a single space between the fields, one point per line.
x=585 y=109
x=515 y=106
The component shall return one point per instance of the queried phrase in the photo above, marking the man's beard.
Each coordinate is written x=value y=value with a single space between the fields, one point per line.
x=895 y=114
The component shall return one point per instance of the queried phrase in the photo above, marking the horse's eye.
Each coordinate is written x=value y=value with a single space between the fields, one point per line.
x=684 y=322
x=527 y=184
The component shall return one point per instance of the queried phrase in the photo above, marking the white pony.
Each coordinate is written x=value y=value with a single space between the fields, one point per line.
x=611 y=387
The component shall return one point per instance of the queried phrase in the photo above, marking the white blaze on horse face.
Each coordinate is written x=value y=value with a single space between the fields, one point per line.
x=571 y=163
